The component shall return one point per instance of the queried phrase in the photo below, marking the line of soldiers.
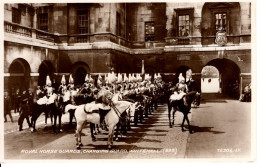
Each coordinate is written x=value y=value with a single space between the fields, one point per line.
x=130 y=88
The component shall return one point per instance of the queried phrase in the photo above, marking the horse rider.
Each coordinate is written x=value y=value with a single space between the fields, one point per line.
x=181 y=86
x=7 y=106
x=63 y=87
x=27 y=100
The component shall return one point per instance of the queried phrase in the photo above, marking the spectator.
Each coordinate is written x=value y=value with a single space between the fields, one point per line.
x=7 y=106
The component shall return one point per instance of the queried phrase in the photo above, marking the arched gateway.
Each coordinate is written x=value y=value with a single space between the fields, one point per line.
x=229 y=76
x=19 y=74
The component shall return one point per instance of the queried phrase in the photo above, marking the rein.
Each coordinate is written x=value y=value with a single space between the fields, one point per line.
x=116 y=110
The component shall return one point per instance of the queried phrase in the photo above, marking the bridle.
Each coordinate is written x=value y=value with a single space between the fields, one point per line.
x=111 y=104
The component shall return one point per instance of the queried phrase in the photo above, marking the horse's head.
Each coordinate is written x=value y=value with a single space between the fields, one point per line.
x=189 y=97
x=105 y=95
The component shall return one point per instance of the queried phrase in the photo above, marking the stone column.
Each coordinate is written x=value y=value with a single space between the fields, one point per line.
x=34 y=24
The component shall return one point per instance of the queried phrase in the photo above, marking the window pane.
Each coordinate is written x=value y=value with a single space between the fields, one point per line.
x=184 y=25
x=83 y=22
x=149 y=31
x=220 y=21
x=43 y=21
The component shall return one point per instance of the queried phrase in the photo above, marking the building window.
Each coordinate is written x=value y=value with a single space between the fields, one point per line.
x=149 y=31
x=220 y=21
x=83 y=22
x=118 y=24
x=184 y=25
x=16 y=16
x=43 y=21
x=184 y=18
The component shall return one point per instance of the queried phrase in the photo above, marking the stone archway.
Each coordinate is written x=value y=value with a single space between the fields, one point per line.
x=46 y=68
x=19 y=74
x=79 y=71
x=229 y=76
x=183 y=70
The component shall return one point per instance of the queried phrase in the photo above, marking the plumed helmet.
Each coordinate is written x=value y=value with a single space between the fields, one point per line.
x=63 y=80
x=86 y=78
x=71 y=80
x=181 y=78
x=48 y=80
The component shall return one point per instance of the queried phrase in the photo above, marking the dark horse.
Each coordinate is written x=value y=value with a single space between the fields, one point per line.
x=184 y=106
x=55 y=110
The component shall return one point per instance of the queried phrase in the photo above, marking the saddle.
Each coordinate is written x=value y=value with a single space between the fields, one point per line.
x=177 y=96
x=98 y=108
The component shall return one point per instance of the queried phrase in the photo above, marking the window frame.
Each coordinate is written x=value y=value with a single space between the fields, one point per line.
x=40 y=23
x=82 y=12
x=16 y=15
x=226 y=25
x=150 y=36
x=184 y=11
x=220 y=8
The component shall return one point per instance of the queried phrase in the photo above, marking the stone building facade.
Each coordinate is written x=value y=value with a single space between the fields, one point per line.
x=72 y=38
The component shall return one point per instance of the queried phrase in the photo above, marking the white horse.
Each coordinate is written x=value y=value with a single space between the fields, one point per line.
x=84 y=113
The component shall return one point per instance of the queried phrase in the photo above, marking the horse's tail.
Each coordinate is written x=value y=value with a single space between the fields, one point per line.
x=70 y=107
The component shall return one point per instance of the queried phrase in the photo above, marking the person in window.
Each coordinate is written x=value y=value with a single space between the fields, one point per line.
x=182 y=30
x=186 y=32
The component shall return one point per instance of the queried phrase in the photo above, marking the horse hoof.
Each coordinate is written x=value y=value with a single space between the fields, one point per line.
x=60 y=130
x=94 y=139
x=170 y=126
x=182 y=130
x=190 y=132
x=80 y=144
x=109 y=147
x=117 y=139
x=78 y=147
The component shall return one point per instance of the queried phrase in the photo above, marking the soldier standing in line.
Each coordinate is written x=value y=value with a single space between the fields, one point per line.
x=17 y=101
x=25 y=110
x=7 y=106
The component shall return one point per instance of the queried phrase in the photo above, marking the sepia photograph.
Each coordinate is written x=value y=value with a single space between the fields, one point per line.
x=90 y=80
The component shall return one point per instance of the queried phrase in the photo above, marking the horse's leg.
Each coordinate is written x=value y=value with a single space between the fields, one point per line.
x=78 y=134
x=51 y=115
x=169 y=114
x=46 y=117
x=136 y=117
x=173 y=115
x=92 y=127
x=110 y=136
x=146 y=111
x=60 y=115
x=183 y=122
x=187 y=119
x=55 y=123
x=97 y=127
x=71 y=117
x=141 y=115
x=117 y=129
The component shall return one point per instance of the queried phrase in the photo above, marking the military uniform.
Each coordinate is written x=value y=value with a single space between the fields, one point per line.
x=17 y=101
x=7 y=107
x=25 y=110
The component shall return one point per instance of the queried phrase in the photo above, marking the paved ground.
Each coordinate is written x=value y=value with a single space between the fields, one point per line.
x=152 y=139
x=221 y=129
